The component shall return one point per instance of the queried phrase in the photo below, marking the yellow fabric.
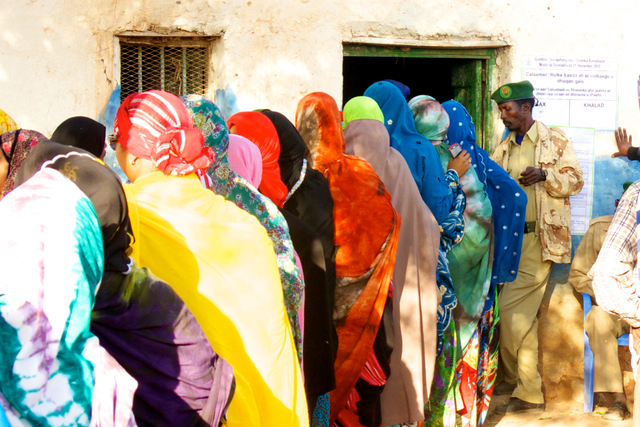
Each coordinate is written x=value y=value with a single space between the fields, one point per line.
x=221 y=262
x=520 y=157
x=6 y=123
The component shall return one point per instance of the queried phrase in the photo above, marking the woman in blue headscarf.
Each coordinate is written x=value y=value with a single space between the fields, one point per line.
x=508 y=202
x=440 y=191
x=508 y=205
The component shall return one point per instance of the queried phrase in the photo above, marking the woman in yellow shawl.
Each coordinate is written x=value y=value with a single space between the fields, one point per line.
x=217 y=257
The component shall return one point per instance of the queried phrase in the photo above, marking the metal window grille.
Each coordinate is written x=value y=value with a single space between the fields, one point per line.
x=178 y=69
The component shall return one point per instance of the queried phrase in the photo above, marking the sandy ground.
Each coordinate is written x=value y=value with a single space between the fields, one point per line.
x=567 y=415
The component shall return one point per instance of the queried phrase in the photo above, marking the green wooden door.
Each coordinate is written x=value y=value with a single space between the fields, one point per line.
x=468 y=87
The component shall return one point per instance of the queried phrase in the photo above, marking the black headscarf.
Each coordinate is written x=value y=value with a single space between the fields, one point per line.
x=81 y=132
x=100 y=184
x=292 y=148
x=311 y=202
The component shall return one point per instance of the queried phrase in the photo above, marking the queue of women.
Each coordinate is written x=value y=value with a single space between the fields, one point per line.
x=336 y=271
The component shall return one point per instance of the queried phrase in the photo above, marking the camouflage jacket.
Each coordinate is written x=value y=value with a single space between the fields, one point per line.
x=553 y=153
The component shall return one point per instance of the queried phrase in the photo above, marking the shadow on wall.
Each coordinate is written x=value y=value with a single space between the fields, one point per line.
x=561 y=341
x=609 y=175
x=107 y=116
x=226 y=100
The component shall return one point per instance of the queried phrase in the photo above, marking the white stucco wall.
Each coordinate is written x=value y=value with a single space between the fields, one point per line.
x=57 y=55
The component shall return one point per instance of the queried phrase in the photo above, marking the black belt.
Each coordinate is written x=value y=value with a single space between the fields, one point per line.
x=529 y=227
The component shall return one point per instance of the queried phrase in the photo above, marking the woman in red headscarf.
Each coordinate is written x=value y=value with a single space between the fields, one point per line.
x=366 y=237
x=258 y=129
x=217 y=257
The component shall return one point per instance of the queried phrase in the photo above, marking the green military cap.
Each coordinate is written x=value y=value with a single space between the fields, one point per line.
x=626 y=185
x=513 y=92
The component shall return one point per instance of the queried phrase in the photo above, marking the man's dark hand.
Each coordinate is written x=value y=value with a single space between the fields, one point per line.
x=530 y=176
x=623 y=142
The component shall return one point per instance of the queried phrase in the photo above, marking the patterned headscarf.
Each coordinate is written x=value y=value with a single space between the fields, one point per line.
x=6 y=123
x=226 y=183
x=431 y=120
x=16 y=146
x=258 y=129
x=156 y=126
x=245 y=159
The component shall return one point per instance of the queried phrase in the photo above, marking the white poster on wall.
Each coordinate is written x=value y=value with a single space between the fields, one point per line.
x=572 y=91
x=583 y=140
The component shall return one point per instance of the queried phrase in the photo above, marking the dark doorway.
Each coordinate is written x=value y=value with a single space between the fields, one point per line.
x=424 y=76
x=442 y=73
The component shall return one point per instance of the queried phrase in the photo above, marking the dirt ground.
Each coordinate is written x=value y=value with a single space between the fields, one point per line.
x=558 y=415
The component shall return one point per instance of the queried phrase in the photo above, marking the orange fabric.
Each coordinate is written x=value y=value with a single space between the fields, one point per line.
x=366 y=235
x=362 y=210
x=358 y=332
x=260 y=130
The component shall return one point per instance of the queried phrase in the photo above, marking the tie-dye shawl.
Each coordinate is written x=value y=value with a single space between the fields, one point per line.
x=432 y=121
x=51 y=266
x=226 y=183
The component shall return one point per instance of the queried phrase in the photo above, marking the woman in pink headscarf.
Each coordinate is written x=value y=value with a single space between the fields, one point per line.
x=217 y=257
x=245 y=159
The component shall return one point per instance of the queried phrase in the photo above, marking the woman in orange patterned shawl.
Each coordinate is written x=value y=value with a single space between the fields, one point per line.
x=366 y=237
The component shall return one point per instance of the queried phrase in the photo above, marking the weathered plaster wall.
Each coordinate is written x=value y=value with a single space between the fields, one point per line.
x=57 y=60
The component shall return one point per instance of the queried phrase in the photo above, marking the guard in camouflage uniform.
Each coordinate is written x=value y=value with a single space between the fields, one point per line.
x=543 y=162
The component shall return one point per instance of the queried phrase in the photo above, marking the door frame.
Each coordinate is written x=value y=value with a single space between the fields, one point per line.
x=484 y=120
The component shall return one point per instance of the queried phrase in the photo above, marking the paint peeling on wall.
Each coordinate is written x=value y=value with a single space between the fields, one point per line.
x=609 y=176
x=226 y=100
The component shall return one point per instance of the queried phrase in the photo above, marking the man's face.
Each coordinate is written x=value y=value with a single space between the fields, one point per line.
x=513 y=115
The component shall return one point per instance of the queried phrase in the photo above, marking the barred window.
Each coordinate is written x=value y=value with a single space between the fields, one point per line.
x=179 y=65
